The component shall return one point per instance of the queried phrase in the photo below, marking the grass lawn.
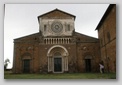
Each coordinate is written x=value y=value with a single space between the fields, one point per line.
x=9 y=75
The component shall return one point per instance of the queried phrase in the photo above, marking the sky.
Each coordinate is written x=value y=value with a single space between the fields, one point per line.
x=21 y=20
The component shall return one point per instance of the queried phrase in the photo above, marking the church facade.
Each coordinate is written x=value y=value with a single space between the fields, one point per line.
x=56 y=48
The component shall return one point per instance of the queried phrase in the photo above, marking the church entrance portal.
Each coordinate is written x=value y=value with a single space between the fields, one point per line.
x=57 y=59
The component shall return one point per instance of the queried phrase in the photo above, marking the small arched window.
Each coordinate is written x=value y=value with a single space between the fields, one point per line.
x=68 y=27
x=45 y=27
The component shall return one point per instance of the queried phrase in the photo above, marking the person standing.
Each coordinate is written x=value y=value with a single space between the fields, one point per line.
x=101 y=68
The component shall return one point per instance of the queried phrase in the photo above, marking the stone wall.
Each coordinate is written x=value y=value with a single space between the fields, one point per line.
x=107 y=36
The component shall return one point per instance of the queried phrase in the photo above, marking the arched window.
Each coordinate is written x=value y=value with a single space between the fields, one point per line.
x=68 y=27
x=45 y=27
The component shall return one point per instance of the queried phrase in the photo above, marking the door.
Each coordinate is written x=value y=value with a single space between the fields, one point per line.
x=57 y=64
x=26 y=66
x=88 y=65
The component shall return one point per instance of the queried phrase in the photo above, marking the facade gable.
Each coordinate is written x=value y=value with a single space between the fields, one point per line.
x=56 y=23
x=57 y=14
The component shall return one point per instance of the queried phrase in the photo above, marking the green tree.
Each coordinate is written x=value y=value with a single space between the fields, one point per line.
x=7 y=61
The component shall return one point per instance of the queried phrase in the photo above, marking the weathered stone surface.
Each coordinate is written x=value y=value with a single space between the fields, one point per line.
x=107 y=36
x=36 y=53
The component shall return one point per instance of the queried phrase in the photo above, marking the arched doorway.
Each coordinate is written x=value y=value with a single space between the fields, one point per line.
x=57 y=62
x=88 y=65
x=57 y=59
x=26 y=62
x=26 y=66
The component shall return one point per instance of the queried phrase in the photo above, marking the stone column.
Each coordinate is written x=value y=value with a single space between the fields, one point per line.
x=50 y=64
x=66 y=63
x=53 y=40
x=68 y=41
x=61 y=40
x=46 y=40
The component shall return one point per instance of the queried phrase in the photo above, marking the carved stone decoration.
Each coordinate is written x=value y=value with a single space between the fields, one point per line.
x=56 y=27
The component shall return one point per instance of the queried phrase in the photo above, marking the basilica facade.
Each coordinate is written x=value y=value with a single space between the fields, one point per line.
x=56 y=48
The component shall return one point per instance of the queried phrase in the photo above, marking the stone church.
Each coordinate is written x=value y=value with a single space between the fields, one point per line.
x=56 y=48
